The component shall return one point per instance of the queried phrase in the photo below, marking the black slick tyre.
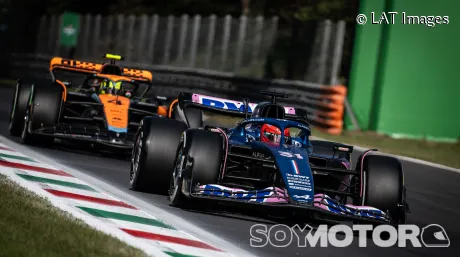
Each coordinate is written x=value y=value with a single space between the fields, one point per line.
x=43 y=111
x=198 y=162
x=154 y=153
x=383 y=186
x=18 y=108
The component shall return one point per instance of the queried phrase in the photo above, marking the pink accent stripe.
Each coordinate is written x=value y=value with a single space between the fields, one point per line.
x=196 y=98
x=6 y=148
x=21 y=166
x=290 y=110
x=362 y=171
x=170 y=239
x=226 y=150
x=89 y=199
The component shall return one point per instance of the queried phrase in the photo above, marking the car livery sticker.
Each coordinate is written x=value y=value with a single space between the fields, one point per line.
x=229 y=104
x=295 y=167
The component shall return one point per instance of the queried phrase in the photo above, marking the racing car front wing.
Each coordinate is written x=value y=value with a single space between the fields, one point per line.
x=321 y=207
x=89 y=134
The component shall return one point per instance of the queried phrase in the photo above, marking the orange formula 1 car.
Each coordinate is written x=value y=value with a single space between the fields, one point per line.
x=104 y=106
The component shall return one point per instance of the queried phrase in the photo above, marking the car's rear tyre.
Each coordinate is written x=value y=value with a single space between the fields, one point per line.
x=383 y=186
x=154 y=153
x=327 y=148
x=198 y=161
x=18 y=108
x=43 y=111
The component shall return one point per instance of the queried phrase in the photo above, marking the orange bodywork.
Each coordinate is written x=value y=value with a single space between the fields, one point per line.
x=64 y=92
x=162 y=110
x=95 y=68
x=86 y=67
x=114 y=78
x=171 y=106
x=116 y=110
x=117 y=115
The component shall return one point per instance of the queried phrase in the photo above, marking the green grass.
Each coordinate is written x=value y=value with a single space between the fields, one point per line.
x=220 y=120
x=442 y=153
x=31 y=226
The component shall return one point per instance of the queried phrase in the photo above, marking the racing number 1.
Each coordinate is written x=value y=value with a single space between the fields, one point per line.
x=290 y=155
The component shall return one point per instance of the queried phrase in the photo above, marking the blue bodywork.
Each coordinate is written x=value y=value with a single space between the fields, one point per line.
x=292 y=161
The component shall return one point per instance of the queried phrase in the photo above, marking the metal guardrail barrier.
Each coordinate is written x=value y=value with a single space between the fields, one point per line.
x=323 y=103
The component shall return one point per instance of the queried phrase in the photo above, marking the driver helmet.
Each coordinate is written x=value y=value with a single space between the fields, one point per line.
x=110 y=87
x=272 y=134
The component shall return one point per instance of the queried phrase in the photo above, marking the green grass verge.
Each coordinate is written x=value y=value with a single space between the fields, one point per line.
x=31 y=226
x=442 y=153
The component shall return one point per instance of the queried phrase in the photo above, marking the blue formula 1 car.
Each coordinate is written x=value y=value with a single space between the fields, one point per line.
x=266 y=161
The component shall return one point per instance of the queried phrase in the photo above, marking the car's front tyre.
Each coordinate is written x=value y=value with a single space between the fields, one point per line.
x=198 y=162
x=44 y=110
x=383 y=186
x=18 y=108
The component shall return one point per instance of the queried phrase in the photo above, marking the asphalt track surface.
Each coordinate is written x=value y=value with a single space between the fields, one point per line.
x=433 y=195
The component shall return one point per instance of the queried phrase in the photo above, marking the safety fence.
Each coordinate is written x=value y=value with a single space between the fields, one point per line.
x=224 y=43
x=323 y=103
x=245 y=45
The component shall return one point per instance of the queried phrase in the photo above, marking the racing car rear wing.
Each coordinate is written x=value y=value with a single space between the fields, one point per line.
x=94 y=68
x=231 y=107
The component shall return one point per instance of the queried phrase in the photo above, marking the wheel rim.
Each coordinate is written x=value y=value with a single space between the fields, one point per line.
x=12 y=113
x=177 y=174
x=135 y=158
x=13 y=107
x=26 y=125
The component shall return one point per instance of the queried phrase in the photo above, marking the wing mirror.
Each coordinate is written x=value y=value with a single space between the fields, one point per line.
x=67 y=83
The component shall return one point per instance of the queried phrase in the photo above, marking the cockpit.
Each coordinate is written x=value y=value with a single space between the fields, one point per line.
x=291 y=133
x=111 y=85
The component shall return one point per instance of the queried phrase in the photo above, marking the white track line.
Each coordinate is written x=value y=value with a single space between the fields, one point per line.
x=52 y=176
x=162 y=215
x=93 y=222
x=151 y=229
